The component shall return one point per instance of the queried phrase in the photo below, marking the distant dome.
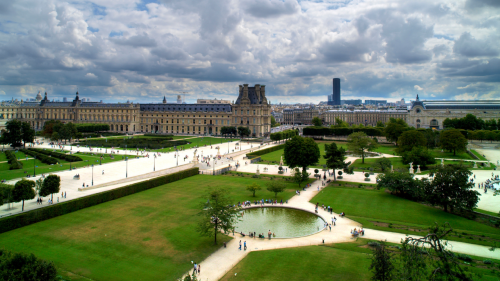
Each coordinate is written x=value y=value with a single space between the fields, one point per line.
x=38 y=97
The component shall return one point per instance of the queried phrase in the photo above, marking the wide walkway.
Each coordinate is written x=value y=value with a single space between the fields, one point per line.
x=219 y=263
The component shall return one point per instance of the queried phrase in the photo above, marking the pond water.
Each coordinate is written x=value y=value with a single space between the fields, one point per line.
x=284 y=222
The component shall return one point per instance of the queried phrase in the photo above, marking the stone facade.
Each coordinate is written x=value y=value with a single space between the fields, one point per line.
x=365 y=117
x=251 y=110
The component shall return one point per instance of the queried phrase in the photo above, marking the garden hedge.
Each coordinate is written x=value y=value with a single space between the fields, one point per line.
x=58 y=155
x=12 y=160
x=264 y=151
x=156 y=142
x=42 y=157
x=325 y=131
x=59 y=209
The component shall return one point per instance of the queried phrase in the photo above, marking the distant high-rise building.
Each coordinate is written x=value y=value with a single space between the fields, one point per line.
x=65 y=99
x=336 y=91
x=376 y=102
x=352 y=102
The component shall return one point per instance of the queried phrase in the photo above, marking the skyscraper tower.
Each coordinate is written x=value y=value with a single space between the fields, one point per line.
x=336 y=91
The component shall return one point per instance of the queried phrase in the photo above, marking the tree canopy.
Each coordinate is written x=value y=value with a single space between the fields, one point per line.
x=26 y=267
x=17 y=132
x=418 y=156
x=317 y=122
x=334 y=157
x=23 y=190
x=51 y=185
x=253 y=188
x=243 y=131
x=453 y=141
x=218 y=214
x=276 y=187
x=469 y=122
x=228 y=130
x=394 y=128
x=359 y=143
x=410 y=139
x=273 y=122
x=301 y=152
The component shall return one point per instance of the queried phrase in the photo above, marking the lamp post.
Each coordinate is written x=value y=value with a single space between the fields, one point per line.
x=213 y=167
x=154 y=163
x=92 y=174
x=34 y=166
x=126 y=167
x=177 y=156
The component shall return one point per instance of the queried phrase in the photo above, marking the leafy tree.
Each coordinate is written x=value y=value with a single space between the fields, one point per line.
x=5 y=193
x=394 y=128
x=26 y=267
x=51 y=126
x=300 y=177
x=418 y=156
x=13 y=134
x=253 y=187
x=228 y=130
x=432 y=137
x=490 y=124
x=380 y=124
x=469 y=122
x=23 y=190
x=453 y=140
x=67 y=131
x=55 y=136
x=28 y=134
x=243 y=131
x=359 y=143
x=339 y=123
x=51 y=185
x=317 y=122
x=383 y=163
x=301 y=152
x=403 y=184
x=451 y=187
x=334 y=157
x=38 y=185
x=276 y=187
x=410 y=139
x=218 y=214
x=382 y=264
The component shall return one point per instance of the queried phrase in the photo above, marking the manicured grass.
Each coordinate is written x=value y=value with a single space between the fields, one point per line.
x=436 y=153
x=274 y=157
x=150 y=235
x=387 y=149
x=481 y=157
x=487 y=212
x=379 y=210
x=304 y=263
x=370 y=163
x=42 y=168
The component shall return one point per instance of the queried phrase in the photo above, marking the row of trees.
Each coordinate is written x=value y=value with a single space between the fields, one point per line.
x=26 y=267
x=28 y=189
x=56 y=130
x=449 y=188
x=16 y=133
x=283 y=135
x=233 y=131
x=471 y=122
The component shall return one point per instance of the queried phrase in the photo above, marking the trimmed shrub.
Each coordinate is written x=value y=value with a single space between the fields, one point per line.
x=264 y=151
x=44 y=158
x=487 y=262
x=12 y=160
x=464 y=257
x=58 y=155
x=156 y=142
x=41 y=214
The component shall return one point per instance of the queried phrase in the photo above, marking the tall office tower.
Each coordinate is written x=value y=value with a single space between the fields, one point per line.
x=336 y=91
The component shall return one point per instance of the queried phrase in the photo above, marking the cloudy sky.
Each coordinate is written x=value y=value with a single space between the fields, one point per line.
x=141 y=50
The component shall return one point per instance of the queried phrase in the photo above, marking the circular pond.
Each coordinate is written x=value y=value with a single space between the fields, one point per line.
x=283 y=222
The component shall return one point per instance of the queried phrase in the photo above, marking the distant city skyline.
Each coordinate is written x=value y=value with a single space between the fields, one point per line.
x=143 y=50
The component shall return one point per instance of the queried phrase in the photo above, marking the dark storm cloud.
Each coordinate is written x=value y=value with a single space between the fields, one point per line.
x=468 y=46
x=344 y=51
x=271 y=8
x=475 y=4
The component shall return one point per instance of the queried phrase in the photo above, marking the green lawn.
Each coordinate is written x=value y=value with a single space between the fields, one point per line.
x=150 y=235
x=481 y=157
x=380 y=210
x=370 y=162
x=41 y=167
x=436 y=153
x=341 y=261
x=303 y=263
x=387 y=149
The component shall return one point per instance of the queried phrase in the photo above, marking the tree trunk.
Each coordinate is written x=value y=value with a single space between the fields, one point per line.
x=363 y=157
x=23 y=206
x=52 y=197
x=215 y=232
x=334 y=176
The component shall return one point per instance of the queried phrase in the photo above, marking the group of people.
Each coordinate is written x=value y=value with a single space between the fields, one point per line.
x=270 y=201
x=356 y=232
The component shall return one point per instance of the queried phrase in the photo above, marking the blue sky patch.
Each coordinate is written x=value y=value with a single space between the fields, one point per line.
x=91 y=29
x=142 y=5
x=116 y=34
x=98 y=10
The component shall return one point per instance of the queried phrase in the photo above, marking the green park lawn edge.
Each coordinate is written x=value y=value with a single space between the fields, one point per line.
x=383 y=206
x=330 y=265
x=151 y=234
x=487 y=212
x=43 y=168
x=478 y=155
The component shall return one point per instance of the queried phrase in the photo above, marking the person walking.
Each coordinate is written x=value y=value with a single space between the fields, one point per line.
x=195 y=269
x=199 y=269
x=245 y=245
x=240 y=246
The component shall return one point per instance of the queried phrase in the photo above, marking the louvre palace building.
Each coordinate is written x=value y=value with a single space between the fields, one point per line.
x=251 y=110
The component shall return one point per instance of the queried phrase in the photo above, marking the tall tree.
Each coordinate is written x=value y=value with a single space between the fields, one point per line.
x=5 y=193
x=334 y=157
x=418 y=156
x=394 y=128
x=219 y=214
x=403 y=184
x=453 y=141
x=13 y=134
x=243 y=131
x=301 y=152
x=28 y=134
x=317 y=122
x=51 y=185
x=360 y=143
x=273 y=122
x=300 y=177
x=451 y=188
x=382 y=163
x=23 y=190
x=382 y=264
x=410 y=139
x=339 y=123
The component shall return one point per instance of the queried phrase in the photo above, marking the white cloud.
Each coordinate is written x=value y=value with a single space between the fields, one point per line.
x=379 y=49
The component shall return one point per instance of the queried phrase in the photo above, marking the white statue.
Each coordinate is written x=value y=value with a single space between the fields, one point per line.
x=418 y=169
x=411 y=171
